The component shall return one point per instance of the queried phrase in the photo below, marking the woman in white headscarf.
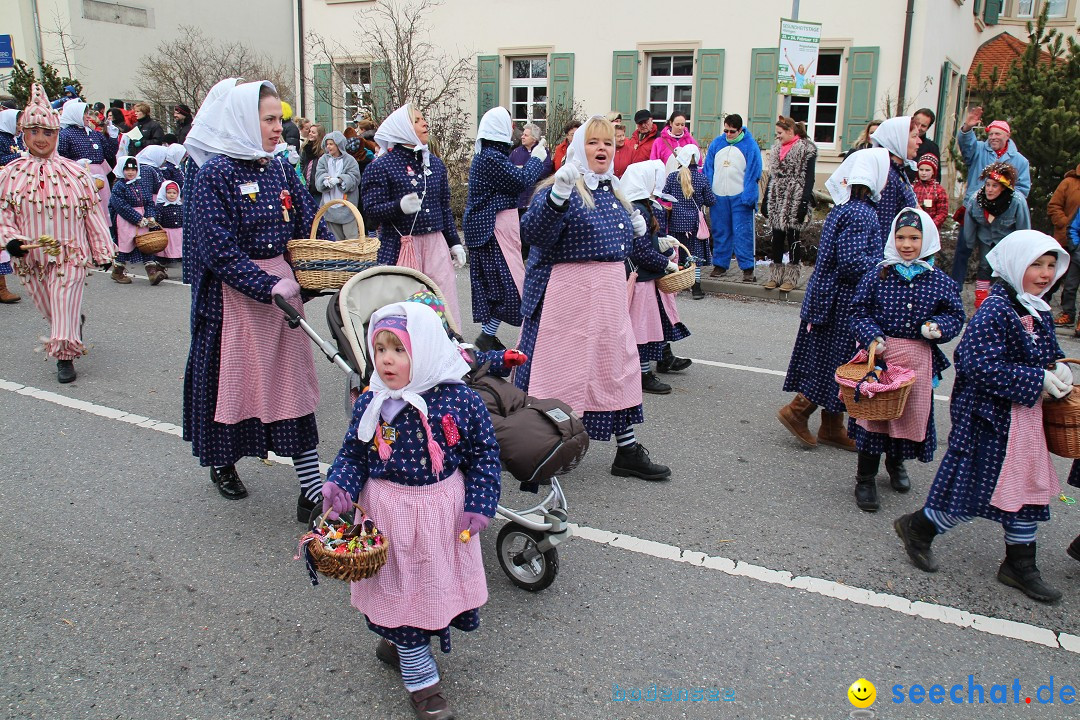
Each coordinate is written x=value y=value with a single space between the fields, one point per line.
x=997 y=466
x=406 y=191
x=491 y=226
x=900 y=136
x=11 y=145
x=79 y=141
x=910 y=309
x=576 y=329
x=851 y=245
x=337 y=177
x=250 y=386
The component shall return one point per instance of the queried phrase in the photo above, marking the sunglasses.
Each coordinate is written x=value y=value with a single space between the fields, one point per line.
x=730 y=132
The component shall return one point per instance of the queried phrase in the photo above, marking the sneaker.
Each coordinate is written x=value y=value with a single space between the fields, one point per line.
x=652 y=384
x=1063 y=320
x=718 y=271
x=430 y=703
x=633 y=461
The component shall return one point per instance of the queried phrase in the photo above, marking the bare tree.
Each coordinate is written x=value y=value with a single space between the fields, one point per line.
x=66 y=43
x=184 y=69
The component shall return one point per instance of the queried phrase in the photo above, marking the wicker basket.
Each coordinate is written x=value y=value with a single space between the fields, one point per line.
x=680 y=279
x=153 y=242
x=1061 y=422
x=327 y=265
x=888 y=405
x=349 y=567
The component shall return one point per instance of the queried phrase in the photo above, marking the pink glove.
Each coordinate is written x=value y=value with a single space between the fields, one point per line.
x=286 y=288
x=335 y=501
x=473 y=522
x=514 y=358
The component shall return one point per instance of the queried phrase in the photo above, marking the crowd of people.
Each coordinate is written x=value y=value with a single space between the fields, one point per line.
x=570 y=245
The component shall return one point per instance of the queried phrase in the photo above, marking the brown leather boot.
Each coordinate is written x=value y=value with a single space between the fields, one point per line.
x=6 y=296
x=118 y=275
x=794 y=417
x=834 y=432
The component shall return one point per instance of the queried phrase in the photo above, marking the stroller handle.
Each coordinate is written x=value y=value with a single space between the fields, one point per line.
x=289 y=310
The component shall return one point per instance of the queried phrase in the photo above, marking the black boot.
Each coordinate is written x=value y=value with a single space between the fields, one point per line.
x=696 y=292
x=898 y=476
x=487 y=342
x=1074 y=549
x=307 y=510
x=633 y=461
x=228 y=482
x=651 y=384
x=917 y=532
x=386 y=652
x=65 y=371
x=866 y=494
x=1018 y=570
x=671 y=363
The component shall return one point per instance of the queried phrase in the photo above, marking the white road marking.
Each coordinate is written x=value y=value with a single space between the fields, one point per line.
x=859 y=596
x=143 y=277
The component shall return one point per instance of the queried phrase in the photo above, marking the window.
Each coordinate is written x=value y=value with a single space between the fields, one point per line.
x=1058 y=8
x=1031 y=8
x=355 y=91
x=1025 y=8
x=821 y=113
x=671 y=84
x=529 y=90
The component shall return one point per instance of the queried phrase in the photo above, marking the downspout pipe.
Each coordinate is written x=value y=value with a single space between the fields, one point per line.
x=300 y=54
x=37 y=31
x=904 y=57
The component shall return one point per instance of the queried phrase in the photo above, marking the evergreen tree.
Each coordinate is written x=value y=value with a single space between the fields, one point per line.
x=50 y=80
x=22 y=77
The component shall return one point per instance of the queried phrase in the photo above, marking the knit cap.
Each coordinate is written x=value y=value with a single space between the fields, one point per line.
x=930 y=160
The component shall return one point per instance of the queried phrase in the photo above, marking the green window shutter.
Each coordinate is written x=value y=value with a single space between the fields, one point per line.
x=561 y=76
x=381 y=100
x=761 y=110
x=708 y=120
x=323 y=80
x=624 y=82
x=942 y=101
x=976 y=7
x=992 y=11
x=860 y=91
x=487 y=84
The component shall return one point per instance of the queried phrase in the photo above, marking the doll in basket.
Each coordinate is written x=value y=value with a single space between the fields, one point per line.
x=997 y=465
x=909 y=308
x=421 y=458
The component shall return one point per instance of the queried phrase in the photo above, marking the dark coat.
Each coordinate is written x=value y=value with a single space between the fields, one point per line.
x=152 y=134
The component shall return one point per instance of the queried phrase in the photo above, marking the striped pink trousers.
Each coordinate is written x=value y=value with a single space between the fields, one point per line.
x=59 y=299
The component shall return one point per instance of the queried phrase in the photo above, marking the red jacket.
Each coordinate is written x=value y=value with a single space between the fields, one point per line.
x=623 y=157
x=560 y=154
x=642 y=146
x=933 y=193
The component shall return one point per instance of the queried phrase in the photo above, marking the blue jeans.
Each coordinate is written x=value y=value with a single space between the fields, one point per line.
x=733 y=232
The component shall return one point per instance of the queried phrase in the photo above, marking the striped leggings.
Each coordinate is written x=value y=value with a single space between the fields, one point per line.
x=418 y=668
x=58 y=297
x=1017 y=532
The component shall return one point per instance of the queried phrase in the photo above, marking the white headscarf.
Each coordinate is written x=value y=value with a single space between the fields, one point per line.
x=221 y=88
x=688 y=154
x=869 y=167
x=120 y=160
x=893 y=135
x=931 y=241
x=639 y=180
x=229 y=125
x=160 y=198
x=175 y=153
x=9 y=121
x=73 y=113
x=155 y=155
x=576 y=154
x=398 y=129
x=1016 y=251
x=496 y=125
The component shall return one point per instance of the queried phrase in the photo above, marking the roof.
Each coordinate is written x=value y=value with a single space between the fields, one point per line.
x=999 y=52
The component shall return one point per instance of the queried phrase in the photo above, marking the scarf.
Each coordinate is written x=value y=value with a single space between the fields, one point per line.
x=161 y=198
x=199 y=154
x=576 y=154
x=786 y=147
x=869 y=167
x=1011 y=257
x=639 y=180
x=495 y=126
x=998 y=205
x=72 y=115
x=397 y=129
x=931 y=243
x=229 y=125
x=893 y=135
x=737 y=138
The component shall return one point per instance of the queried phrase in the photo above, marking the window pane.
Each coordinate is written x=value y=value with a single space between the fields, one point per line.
x=520 y=94
x=658 y=110
x=365 y=74
x=1058 y=7
x=1024 y=8
x=661 y=65
x=800 y=109
x=521 y=68
x=828 y=93
x=683 y=65
x=684 y=108
x=539 y=111
x=682 y=93
x=824 y=133
x=828 y=64
x=539 y=68
x=658 y=93
x=519 y=111
x=825 y=114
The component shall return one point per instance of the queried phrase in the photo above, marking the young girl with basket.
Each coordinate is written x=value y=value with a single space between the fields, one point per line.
x=997 y=465
x=692 y=192
x=909 y=308
x=132 y=207
x=421 y=458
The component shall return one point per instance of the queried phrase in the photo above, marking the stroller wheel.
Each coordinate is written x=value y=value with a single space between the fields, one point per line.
x=527 y=567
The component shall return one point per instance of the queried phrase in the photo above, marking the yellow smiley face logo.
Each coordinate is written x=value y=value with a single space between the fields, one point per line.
x=862 y=693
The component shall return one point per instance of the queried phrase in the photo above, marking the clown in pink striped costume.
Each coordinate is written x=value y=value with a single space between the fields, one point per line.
x=51 y=225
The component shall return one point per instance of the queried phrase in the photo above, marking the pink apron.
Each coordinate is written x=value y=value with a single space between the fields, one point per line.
x=126 y=233
x=1027 y=475
x=266 y=370
x=585 y=353
x=508 y=235
x=175 y=248
x=430 y=576
x=430 y=255
x=102 y=168
x=914 y=355
x=645 y=313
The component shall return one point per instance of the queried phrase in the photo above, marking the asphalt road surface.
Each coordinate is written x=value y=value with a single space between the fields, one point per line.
x=134 y=590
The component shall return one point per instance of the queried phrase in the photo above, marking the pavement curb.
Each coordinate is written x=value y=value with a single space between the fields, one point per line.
x=728 y=287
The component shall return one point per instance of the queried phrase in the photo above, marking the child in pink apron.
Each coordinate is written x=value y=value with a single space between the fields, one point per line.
x=997 y=465
x=909 y=308
x=170 y=216
x=421 y=458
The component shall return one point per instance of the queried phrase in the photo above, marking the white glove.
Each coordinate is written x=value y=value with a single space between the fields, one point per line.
x=410 y=204
x=1063 y=373
x=667 y=243
x=85 y=163
x=565 y=179
x=1055 y=386
x=539 y=150
x=144 y=222
x=638 y=221
x=292 y=156
x=930 y=331
x=457 y=255
x=880 y=344
x=332 y=181
x=114 y=132
x=671 y=267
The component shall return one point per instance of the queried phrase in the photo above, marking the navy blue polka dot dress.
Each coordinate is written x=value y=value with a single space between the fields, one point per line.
x=128 y=196
x=851 y=245
x=684 y=212
x=231 y=230
x=75 y=143
x=895 y=196
x=649 y=264
x=10 y=148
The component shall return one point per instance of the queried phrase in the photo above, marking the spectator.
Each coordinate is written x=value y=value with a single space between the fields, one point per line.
x=863 y=141
x=924 y=120
x=69 y=94
x=530 y=135
x=1061 y=210
x=183 y=116
x=560 y=149
x=789 y=195
x=933 y=200
x=337 y=177
x=309 y=158
x=290 y=134
x=623 y=150
x=674 y=135
x=644 y=137
x=993 y=212
x=733 y=169
x=149 y=128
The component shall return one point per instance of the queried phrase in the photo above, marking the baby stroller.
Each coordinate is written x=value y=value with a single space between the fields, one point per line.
x=527 y=544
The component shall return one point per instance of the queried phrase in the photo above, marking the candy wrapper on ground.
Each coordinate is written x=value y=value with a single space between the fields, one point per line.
x=342 y=550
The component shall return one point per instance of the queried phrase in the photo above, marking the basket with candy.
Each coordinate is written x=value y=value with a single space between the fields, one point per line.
x=344 y=550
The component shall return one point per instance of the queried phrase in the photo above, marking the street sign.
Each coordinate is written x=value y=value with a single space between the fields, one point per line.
x=7 y=52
